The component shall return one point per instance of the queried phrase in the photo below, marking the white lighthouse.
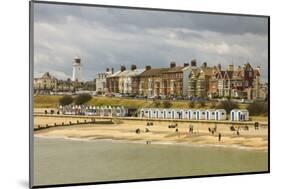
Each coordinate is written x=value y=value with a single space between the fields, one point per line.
x=77 y=69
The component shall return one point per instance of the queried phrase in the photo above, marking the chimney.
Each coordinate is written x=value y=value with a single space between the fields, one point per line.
x=123 y=68
x=133 y=67
x=205 y=65
x=107 y=69
x=219 y=67
x=112 y=70
x=193 y=63
x=172 y=64
x=185 y=64
x=230 y=67
x=147 y=68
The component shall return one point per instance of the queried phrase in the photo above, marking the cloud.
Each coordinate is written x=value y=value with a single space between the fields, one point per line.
x=105 y=37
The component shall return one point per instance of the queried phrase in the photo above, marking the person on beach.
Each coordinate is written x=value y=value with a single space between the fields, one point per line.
x=238 y=133
x=219 y=137
x=190 y=128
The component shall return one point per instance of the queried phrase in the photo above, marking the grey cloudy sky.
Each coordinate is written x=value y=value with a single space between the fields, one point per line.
x=110 y=37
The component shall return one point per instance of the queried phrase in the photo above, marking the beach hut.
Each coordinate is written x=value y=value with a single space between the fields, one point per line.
x=178 y=114
x=119 y=111
x=191 y=114
x=169 y=113
x=239 y=115
x=165 y=113
x=200 y=114
x=142 y=113
x=184 y=113
x=220 y=114
x=160 y=113
x=154 y=113
x=174 y=114
x=210 y=114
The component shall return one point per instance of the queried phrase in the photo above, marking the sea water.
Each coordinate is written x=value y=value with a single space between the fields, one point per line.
x=65 y=161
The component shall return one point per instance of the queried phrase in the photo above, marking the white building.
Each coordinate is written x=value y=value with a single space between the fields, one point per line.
x=77 y=69
x=101 y=80
x=186 y=72
x=127 y=80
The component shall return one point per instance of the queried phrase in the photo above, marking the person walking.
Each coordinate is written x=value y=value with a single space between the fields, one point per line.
x=219 y=137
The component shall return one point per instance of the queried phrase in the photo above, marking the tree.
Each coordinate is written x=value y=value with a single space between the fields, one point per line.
x=82 y=99
x=213 y=105
x=258 y=108
x=228 y=105
x=191 y=104
x=167 y=104
x=157 y=104
x=202 y=104
x=65 y=100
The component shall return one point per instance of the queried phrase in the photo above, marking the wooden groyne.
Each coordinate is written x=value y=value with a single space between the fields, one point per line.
x=71 y=123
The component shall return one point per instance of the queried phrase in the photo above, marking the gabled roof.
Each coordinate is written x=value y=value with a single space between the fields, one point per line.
x=116 y=74
x=47 y=75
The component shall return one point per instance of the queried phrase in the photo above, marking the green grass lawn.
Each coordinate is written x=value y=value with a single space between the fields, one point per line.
x=53 y=101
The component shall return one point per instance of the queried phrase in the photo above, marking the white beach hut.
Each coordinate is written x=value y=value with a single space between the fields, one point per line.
x=220 y=114
x=211 y=114
x=200 y=114
x=160 y=113
x=191 y=114
x=239 y=115
x=169 y=114
x=165 y=113
x=142 y=113
x=184 y=113
x=174 y=114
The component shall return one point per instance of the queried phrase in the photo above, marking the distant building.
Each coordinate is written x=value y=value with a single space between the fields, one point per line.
x=129 y=80
x=112 y=81
x=77 y=69
x=101 y=85
x=45 y=84
x=198 y=84
x=151 y=81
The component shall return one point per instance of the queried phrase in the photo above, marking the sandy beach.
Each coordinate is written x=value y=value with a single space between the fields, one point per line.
x=158 y=133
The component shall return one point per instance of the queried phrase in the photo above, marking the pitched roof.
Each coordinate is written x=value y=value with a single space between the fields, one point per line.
x=207 y=71
x=47 y=75
x=174 y=69
x=116 y=74
x=154 y=72
x=131 y=73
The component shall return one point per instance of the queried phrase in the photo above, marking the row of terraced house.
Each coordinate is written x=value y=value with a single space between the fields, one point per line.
x=188 y=80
